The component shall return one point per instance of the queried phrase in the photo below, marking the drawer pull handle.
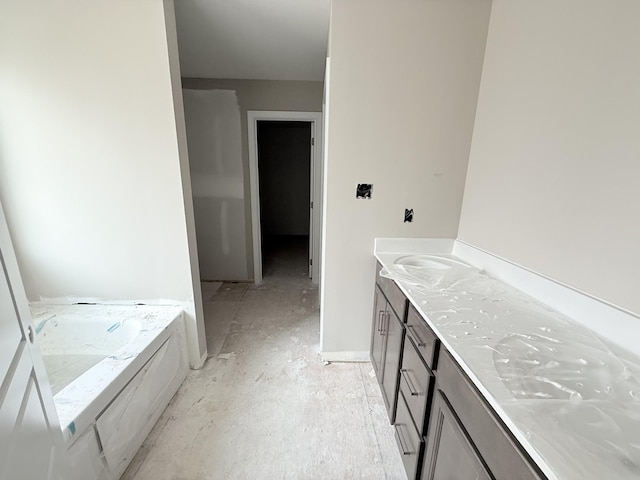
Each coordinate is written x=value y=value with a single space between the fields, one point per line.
x=381 y=322
x=415 y=335
x=405 y=450
x=407 y=380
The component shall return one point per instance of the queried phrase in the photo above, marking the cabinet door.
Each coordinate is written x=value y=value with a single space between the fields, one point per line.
x=450 y=453
x=395 y=335
x=378 y=333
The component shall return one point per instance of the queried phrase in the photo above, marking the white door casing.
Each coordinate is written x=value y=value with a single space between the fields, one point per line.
x=311 y=206
x=315 y=238
x=31 y=442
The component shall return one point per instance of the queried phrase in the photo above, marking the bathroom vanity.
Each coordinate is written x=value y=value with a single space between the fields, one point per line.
x=482 y=380
x=406 y=355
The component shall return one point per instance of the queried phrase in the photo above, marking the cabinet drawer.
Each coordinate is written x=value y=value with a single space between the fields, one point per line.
x=416 y=384
x=409 y=442
x=425 y=340
x=501 y=453
x=394 y=295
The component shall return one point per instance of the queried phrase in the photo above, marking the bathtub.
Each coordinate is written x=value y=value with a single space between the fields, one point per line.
x=113 y=370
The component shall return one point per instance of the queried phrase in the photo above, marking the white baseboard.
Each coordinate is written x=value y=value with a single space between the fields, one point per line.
x=349 y=356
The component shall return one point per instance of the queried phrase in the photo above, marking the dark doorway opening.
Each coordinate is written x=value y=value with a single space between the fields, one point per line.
x=284 y=166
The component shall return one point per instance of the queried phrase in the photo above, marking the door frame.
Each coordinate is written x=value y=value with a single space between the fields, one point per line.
x=316 y=182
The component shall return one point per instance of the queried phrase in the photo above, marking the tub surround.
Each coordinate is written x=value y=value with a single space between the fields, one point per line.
x=569 y=395
x=107 y=411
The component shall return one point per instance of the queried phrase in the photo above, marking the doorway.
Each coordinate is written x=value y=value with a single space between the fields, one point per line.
x=284 y=166
x=286 y=173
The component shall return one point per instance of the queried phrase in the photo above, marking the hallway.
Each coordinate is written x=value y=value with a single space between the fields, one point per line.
x=265 y=406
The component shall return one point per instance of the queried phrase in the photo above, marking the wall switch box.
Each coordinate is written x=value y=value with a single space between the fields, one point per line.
x=408 y=215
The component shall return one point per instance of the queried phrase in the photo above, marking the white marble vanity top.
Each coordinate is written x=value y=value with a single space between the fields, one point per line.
x=572 y=402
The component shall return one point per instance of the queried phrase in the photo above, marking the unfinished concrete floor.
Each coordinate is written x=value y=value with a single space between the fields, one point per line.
x=265 y=406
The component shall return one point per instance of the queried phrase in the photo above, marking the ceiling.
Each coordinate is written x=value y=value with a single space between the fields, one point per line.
x=253 y=39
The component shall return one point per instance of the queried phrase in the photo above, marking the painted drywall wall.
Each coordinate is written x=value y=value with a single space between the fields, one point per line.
x=194 y=311
x=90 y=173
x=402 y=94
x=253 y=39
x=215 y=153
x=260 y=95
x=555 y=162
x=284 y=163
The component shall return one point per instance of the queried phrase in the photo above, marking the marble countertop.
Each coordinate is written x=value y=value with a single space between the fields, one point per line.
x=573 y=404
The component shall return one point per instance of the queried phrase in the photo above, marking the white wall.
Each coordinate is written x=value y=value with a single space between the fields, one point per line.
x=194 y=310
x=215 y=147
x=402 y=94
x=90 y=173
x=258 y=95
x=555 y=161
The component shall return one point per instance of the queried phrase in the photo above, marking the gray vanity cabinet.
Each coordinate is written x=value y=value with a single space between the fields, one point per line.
x=387 y=338
x=445 y=429
x=466 y=440
x=450 y=455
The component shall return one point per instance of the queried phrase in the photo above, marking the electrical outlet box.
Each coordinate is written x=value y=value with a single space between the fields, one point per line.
x=364 y=190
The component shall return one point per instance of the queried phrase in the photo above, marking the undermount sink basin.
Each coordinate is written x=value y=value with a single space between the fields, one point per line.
x=429 y=261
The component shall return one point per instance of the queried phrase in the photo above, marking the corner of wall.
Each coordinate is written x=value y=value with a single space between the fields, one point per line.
x=197 y=337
